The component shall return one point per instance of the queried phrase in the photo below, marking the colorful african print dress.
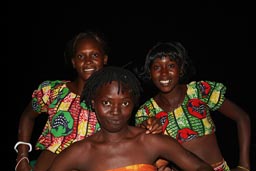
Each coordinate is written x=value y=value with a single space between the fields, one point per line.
x=192 y=118
x=68 y=119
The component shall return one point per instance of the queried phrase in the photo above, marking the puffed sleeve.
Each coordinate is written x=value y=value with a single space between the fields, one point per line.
x=212 y=93
x=42 y=96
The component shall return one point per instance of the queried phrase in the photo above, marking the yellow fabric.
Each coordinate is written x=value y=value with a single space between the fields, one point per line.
x=136 y=167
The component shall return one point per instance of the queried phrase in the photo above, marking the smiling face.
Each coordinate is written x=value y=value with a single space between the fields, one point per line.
x=88 y=58
x=113 y=106
x=164 y=73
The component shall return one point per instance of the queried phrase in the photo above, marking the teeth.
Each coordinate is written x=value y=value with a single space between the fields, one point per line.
x=86 y=70
x=165 y=81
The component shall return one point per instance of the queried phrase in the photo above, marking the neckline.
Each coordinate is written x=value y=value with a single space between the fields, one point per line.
x=177 y=106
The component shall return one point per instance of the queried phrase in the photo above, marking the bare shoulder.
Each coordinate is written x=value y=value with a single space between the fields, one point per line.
x=152 y=138
x=79 y=147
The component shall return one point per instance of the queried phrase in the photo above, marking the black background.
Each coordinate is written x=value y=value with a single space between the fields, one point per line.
x=216 y=39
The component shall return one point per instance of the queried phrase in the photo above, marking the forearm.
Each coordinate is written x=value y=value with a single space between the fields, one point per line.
x=244 y=139
x=24 y=134
x=26 y=125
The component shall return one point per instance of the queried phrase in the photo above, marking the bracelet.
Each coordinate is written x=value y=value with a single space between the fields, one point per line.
x=20 y=161
x=243 y=168
x=25 y=143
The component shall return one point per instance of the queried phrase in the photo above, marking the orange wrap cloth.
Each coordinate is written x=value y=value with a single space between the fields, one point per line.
x=136 y=167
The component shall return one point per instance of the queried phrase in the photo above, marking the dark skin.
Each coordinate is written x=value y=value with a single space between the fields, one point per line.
x=117 y=144
x=89 y=57
x=171 y=95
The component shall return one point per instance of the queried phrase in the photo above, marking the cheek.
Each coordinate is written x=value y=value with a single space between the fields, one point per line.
x=127 y=110
x=99 y=64
x=154 y=77
x=77 y=64
x=101 y=110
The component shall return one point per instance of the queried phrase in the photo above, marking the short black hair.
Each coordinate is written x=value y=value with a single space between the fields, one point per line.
x=89 y=34
x=125 y=78
x=176 y=52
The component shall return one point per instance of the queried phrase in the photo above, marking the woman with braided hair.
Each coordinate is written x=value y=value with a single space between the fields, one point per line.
x=112 y=93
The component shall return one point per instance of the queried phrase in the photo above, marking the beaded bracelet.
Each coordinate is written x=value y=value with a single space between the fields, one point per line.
x=25 y=143
x=20 y=161
x=244 y=168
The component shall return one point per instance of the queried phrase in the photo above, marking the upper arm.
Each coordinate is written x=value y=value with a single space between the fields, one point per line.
x=233 y=111
x=63 y=162
x=171 y=150
x=70 y=158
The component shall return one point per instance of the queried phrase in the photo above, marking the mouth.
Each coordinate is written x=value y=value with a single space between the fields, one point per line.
x=88 y=70
x=165 y=82
x=115 y=121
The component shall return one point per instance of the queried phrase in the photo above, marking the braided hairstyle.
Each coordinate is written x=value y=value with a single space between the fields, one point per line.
x=127 y=81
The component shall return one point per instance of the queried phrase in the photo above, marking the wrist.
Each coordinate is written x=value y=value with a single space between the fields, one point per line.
x=243 y=168
x=20 y=155
x=24 y=143
x=22 y=159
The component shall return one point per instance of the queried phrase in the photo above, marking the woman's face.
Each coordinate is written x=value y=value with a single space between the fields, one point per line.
x=164 y=73
x=89 y=57
x=113 y=107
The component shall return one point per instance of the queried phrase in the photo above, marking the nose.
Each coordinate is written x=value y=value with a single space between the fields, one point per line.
x=87 y=60
x=115 y=109
x=164 y=71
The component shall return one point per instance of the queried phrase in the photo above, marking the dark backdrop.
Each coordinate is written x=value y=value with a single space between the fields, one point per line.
x=218 y=43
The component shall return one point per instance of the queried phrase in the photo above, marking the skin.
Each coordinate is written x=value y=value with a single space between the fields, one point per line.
x=172 y=94
x=117 y=144
x=89 y=57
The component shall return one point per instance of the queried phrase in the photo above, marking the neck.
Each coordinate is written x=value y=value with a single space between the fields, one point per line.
x=172 y=100
x=115 y=137
x=76 y=86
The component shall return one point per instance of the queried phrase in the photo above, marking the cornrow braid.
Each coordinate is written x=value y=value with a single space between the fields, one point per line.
x=125 y=78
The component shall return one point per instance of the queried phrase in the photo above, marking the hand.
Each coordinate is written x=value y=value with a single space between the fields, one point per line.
x=162 y=165
x=153 y=126
x=164 y=168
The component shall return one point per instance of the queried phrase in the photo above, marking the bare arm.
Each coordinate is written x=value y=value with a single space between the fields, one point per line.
x=72 y=158
x=26 y=125
x=171 y=150
x=242 y=120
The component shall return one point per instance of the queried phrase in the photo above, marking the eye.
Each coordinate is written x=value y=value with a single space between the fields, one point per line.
x=95 y=55
x=79 y=56
x=126 y=103
x=156 y=67
x=106 y=103
x=171 y=65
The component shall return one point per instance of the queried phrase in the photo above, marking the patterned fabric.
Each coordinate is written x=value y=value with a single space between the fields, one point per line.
x=68 y=121
x=221 y=166
x=192 y=118
x=137 y=167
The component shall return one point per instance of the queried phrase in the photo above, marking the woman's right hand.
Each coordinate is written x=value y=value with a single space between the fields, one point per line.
x=152 y=126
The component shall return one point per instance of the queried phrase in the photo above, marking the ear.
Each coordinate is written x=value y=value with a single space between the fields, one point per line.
x=181 y=74
x=105 y=59
x=73 y=62
x=93 y=104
